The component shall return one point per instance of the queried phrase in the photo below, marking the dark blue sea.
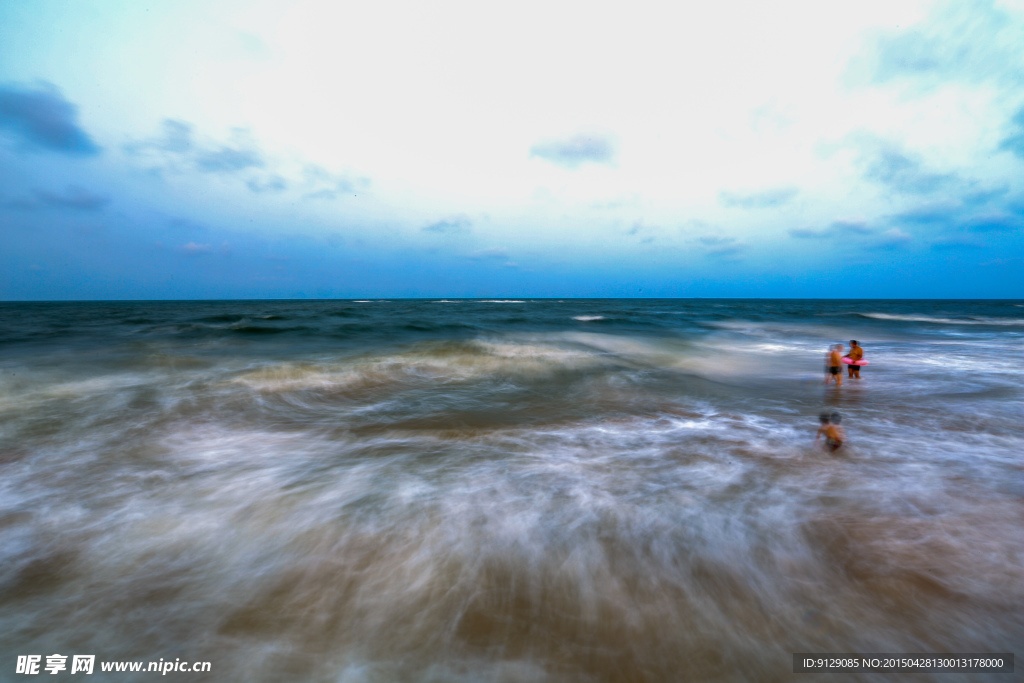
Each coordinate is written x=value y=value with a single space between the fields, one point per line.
x=507 y=490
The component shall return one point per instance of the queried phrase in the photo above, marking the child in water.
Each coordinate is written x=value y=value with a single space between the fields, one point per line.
x=831 y=430
x=833 y=365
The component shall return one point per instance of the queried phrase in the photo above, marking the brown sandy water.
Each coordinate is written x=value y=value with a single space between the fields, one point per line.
x=508 y=504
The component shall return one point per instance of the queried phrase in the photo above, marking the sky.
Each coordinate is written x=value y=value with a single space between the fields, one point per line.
x=217 y=149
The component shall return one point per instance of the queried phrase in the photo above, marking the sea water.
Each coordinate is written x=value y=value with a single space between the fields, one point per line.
x=506 y=490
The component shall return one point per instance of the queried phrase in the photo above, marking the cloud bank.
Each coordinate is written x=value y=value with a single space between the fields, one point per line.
x=74 y=198
x=574 y=151
x=757 y=200
x=43 y=119
x=178 y=149
x=177 y=144
x=1014 y=142
x=972 y=42
x=837 y=229
x=450 y=226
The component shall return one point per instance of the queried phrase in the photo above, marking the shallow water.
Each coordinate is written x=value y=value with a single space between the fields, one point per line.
x=505 y=490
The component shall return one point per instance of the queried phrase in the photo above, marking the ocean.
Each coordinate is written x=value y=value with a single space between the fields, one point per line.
x=506 y=490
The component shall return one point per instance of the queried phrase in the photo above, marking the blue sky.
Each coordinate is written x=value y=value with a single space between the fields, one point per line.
x=223 y=149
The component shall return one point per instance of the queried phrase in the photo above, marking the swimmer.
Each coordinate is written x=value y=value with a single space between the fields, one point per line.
x=856 y=353
x=833 y=365
x=831 y=430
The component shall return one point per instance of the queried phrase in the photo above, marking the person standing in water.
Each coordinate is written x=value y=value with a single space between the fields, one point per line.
x=856 y=353
x=831 y=430
x=833 y=365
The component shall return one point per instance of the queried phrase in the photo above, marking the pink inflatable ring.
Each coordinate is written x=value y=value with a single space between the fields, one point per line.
x=846 y=359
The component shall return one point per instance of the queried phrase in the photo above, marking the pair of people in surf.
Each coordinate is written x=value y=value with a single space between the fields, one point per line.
x=834 y=360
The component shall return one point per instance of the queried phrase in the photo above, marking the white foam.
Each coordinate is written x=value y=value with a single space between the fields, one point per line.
x=800 y=330
x=586 y=318
x=945 y=321
x=481 y=359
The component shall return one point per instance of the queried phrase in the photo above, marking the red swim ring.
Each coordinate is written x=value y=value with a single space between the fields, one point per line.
x=846 y=359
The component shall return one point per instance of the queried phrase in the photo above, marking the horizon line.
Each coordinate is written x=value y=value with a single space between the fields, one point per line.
x=511 y=298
